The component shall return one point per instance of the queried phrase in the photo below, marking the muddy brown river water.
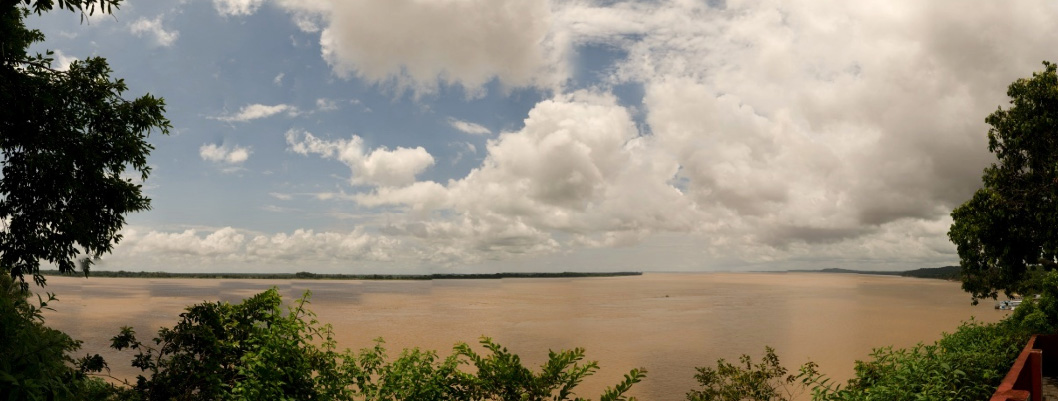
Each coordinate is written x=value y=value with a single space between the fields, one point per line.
x=667 y=323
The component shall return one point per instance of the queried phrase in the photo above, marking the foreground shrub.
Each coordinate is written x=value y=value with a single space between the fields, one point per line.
x=254 y=350
x=34 y=359
x=250 y=350
x=965 y=365
x=764 y=381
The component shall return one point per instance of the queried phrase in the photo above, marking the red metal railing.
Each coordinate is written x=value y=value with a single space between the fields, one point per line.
x=1024 y=381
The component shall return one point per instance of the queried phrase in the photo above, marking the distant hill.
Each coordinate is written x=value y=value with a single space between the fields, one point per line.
x=943 y=273
x=850 y=271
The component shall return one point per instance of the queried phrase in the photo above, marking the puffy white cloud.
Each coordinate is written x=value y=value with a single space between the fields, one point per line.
x=224 y=153
x=306 y=22
x=570 y=153
x=472 y=238
x=823 y=124
x=426 y=195
x=211 y=245
x=380 y=167
x=256 y=111
x=62 y=60
x=237 y=7
x=154 y=29
x=579 y=168
x=462 y=149
x=468 y=127
x=417 y=45
x=324 y=104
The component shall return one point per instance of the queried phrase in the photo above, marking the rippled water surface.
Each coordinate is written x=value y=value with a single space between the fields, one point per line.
x=667 y=323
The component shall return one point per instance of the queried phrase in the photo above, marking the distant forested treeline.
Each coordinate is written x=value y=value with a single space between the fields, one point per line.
x=943 y=273
x=319 y=276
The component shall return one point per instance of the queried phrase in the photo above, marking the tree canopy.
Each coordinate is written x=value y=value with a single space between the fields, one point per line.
x=73 y=149
x=1009 y=229
x=256 y=350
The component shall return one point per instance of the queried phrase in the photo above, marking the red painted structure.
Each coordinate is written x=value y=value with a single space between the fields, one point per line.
x=1025 y=379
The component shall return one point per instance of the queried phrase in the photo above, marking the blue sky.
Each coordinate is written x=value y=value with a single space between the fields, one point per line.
x=411 y=136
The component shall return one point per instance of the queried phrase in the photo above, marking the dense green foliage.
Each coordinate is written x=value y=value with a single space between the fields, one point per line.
x=964 y=365
x=250 y=350
x=1009 y=226
x=764 y=381
x=68 y=139
x=943 y=273
x=967 y=364
x=256 y=350
x=35 y=362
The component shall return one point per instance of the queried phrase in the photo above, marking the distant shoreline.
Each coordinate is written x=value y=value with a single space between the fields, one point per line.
x=321 y=276
x=950 y=273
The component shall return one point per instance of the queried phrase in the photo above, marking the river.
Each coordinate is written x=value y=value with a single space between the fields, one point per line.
x=668 y=323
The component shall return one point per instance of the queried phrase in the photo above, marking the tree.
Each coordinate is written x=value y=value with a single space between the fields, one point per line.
x=965 y=365
x=764 y=381
x=1009 y=229
x=250 y=350
x=68 y=139
x=255 y=350
x=34 y=359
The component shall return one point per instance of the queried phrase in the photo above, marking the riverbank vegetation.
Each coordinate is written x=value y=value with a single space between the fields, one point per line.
x=966 y=364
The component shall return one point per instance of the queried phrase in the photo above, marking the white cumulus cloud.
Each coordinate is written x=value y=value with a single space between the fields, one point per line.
x=154 y=29
x=224 y=154
x=256 y=111
x=468 y=127
x=378 y=167
x=324 y=104
x=62 y=60
x=237 y=7
x=579 y=167
x=418 y=45
x=229 y=246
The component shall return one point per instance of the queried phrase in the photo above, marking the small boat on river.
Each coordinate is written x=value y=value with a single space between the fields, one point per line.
x=1008 y=305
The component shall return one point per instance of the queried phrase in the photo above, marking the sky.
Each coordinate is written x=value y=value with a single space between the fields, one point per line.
x=426 y=136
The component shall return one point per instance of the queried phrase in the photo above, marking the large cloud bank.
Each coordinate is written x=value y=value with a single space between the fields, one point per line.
x=769 y=131
x=417 y=45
